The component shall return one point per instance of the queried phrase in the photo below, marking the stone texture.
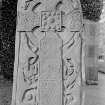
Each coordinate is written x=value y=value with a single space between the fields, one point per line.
x=50 y=92
x=48 y=53
x=91 y=52
x=50 y=79
x=51 y=21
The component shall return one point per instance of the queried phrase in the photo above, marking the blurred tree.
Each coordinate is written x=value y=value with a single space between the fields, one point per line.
x=92 y=9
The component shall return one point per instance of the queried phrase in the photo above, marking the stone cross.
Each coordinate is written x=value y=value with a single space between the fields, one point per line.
x=47 y=55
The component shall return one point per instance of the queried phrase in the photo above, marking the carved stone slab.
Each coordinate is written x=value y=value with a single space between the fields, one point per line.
x=50 y=79
x=48 y=59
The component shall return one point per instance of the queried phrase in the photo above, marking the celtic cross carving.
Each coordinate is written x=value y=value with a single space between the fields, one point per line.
x=48 y=33
x=46 y=20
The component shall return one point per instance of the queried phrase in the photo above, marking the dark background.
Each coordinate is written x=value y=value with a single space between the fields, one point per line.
x=7 y=37
x=91 y=11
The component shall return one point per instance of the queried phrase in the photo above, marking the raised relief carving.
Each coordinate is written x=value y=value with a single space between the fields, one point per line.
x=31 y=66
x=29 y=71
x=28 y=21
x=70 y=76
x=55 y=26
x=28 y=18
x=50 y=21
x=30 y=97
x=27 y=5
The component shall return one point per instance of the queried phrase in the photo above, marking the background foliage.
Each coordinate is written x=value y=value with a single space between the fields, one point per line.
x=7 y=37
x=92 y=9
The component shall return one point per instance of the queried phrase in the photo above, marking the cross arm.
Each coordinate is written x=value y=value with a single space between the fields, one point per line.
x=27 y=21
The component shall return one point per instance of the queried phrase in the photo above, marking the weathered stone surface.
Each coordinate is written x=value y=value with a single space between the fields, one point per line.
x=50 y=79
x=50 y=92
x=91 y=52
x=50 y=20
x=50 y=57
x=28 y=21
x=48 y=44
x=72 y=73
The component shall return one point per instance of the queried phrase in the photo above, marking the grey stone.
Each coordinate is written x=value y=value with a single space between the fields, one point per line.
x=47 y=68
x=50 y=79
